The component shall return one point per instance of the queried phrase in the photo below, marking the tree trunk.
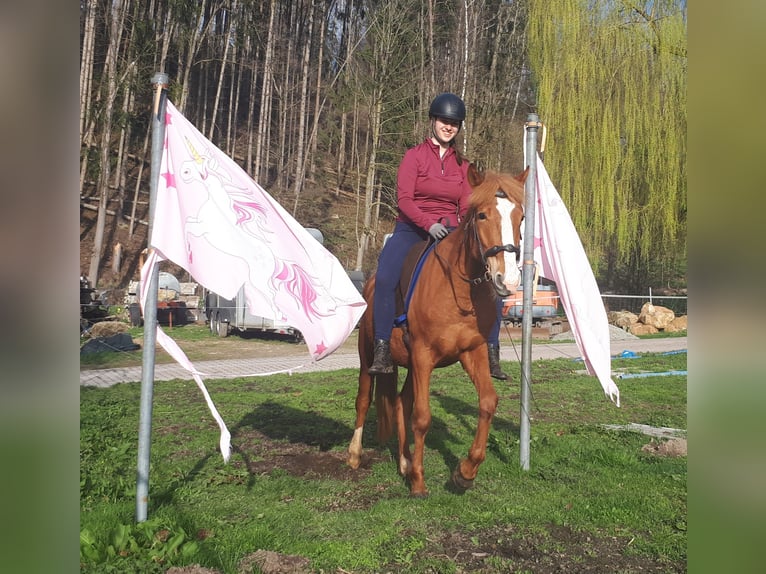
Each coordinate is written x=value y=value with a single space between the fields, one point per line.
x=191 y=52
x=264 y=117
x=163 y=35
x=431 y=51
x=87 y=92
x=319 y=67
x=341 y=163
x=369 y=185
x=285 y=109
x=227 y=39
x=231 y=120
x=86 y=66
x=115 y=33
x=121 y=169
x=300 y=144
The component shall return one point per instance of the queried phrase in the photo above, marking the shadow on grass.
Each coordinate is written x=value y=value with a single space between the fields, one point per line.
x=275 y=435
x=280 y=422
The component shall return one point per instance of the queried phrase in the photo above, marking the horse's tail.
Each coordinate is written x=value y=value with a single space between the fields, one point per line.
x=381 y=388
x=385 y=405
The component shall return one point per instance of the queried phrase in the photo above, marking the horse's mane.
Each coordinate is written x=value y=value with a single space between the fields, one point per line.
x=485 y=191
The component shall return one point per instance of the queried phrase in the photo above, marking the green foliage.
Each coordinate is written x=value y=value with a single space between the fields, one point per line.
x=287 y=489
x=611 y=88
x=149 y=546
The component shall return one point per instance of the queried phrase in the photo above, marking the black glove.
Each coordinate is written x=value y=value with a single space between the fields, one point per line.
x=438 y=231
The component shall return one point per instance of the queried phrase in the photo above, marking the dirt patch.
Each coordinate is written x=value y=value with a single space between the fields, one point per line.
x=274 y=563
x=266 y=561
x=306 y=459
x=307 y=462
x=560 y=550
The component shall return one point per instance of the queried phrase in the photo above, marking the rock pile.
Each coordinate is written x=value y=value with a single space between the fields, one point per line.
x=652 y=319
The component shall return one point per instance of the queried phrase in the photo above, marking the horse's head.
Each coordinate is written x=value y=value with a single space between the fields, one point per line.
x=497 y=209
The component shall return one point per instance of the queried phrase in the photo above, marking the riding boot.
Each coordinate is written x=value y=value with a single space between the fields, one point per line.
x=382 y=363
x=494 y=363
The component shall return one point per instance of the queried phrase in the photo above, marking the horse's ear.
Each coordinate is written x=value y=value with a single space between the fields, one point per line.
x=522 y=177
x=475 y=174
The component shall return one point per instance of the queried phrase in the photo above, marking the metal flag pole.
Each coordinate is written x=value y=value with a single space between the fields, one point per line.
x=528 y=277
x=160 y=83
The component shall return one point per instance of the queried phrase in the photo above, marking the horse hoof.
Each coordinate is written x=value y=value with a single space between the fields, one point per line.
x=459 y=481
x=354 y=462
x=419 y=494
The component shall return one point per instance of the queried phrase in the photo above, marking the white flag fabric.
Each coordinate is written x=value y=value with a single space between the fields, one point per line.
x=561 y=257
x=213 y=220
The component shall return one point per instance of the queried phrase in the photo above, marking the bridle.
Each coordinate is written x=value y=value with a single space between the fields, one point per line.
x=491 y=252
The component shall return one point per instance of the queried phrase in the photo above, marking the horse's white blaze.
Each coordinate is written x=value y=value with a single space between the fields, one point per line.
x=512 y=276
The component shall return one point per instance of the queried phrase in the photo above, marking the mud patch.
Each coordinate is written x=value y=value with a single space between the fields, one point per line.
x=263 y=455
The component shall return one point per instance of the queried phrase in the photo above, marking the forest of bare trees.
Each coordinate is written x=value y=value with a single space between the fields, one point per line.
x=318 y=99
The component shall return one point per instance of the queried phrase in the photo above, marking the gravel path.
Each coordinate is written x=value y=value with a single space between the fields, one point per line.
x=252 y=367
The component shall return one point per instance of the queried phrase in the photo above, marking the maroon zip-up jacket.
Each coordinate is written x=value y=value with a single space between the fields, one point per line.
x=431 y=189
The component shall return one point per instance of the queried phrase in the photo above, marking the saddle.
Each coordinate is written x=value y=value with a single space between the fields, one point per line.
x=413 y=263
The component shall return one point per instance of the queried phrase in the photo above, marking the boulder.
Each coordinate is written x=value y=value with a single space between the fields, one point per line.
x=622 y=319
x=677 y=324
x=656 y=316
x=642 y=329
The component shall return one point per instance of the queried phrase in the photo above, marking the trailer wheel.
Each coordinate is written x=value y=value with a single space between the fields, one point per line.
x=212 y=324
x=222 y=328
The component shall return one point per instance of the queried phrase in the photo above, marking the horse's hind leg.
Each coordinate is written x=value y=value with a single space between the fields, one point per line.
x=363 y=393
x=477 y=367
x=403 y=418
x=363 y=400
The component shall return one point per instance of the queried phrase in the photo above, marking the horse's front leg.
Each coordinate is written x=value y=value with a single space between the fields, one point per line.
x=403 y=418
x=476 y=365
x=421 y=367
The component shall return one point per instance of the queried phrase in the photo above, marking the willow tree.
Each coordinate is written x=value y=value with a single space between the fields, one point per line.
x=611 y=87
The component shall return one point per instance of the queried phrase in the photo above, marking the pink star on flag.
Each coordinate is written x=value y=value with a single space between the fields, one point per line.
x=170 y=179
x=320 y=348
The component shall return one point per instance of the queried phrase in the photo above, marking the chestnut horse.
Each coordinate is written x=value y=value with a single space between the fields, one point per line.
x=451 y=312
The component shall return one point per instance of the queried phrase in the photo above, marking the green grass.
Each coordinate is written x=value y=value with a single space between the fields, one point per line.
x=594 y=484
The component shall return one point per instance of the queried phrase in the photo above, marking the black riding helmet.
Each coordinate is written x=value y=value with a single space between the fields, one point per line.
x=447 y=106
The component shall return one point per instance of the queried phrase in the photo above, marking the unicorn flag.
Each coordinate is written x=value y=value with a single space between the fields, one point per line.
x=562 y=258
x=213 y=220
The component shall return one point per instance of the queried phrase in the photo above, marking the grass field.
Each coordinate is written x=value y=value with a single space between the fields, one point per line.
x=594 y=500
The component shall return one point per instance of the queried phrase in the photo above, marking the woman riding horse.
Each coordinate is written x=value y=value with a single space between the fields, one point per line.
x=452 y=310
x=432 y=194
